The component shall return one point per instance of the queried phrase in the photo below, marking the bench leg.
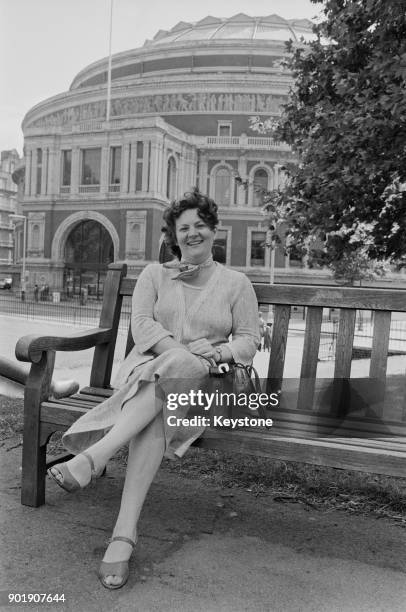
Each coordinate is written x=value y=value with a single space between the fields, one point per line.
x=34 y=440
x=33 y=472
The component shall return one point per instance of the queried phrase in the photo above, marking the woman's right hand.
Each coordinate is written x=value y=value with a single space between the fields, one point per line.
x=202 y=347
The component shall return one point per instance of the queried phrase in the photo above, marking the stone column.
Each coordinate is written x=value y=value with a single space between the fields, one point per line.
x=104 y=170
x=44 y=170
x=154 y=170
x=203 y=173
x=124 y=168
x=163 y=170
x=28 y=173
x=75 y=175
x=145 y=165
x=53 y=172
x=241 y=192
x=193 y=167
x=34 y=172
x=276 y=175
x=133 y=166
x=181 y=183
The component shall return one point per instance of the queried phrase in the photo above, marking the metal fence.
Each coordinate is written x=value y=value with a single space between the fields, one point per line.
x=74 y=310
x=363 y=334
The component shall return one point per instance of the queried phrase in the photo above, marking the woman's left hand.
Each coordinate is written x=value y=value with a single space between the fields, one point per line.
x=201 y=347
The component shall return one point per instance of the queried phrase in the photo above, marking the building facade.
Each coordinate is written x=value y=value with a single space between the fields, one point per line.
x=191 y=107
x=8 y=197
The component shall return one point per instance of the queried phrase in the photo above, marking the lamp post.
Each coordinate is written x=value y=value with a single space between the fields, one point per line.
x=24 y=219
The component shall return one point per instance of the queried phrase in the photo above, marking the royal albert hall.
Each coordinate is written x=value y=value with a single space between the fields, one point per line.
x=191 y=107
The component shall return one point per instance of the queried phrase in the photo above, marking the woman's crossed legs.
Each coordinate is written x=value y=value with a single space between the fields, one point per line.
x=141 y=424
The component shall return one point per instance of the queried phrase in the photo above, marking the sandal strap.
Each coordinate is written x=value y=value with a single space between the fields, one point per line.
x=123 y=539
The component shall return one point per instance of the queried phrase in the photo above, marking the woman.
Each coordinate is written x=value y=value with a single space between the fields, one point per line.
x=182 y=316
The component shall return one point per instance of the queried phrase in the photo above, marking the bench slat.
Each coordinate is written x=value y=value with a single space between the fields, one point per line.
x=332 y=297
x=97 y=391
x=64 y=416
x=379 y=353
x=316 y=452
x=310 y=356
x=278 y=348
x=368 y=425
x=345 y=341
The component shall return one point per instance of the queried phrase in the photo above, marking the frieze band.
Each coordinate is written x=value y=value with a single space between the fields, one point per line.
x=204 y=102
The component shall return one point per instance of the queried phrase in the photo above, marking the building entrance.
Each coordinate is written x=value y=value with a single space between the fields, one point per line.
x=88 y=252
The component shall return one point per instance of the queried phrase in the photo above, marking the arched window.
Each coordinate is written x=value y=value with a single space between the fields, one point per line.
x=222 y=187
x=260 y=186
x=88 y=251
x=171 y=179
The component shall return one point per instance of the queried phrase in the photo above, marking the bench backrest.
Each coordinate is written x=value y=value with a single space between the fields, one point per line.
x=347 y=300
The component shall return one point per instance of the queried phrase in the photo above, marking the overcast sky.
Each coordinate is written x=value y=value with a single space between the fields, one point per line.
x=45 y=43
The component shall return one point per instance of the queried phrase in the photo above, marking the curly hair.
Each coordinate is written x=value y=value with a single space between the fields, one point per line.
x=206 y=210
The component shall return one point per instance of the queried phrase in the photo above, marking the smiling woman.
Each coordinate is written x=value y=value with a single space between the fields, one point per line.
x=183 y=314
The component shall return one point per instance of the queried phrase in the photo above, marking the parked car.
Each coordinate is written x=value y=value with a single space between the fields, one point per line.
x=6 y=283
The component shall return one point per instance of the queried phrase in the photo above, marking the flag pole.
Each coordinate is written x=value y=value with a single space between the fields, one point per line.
x=109 y=66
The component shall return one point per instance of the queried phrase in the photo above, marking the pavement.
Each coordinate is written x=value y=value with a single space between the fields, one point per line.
x=201 y=547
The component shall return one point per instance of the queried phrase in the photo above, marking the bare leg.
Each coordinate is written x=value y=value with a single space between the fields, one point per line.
x=144 y=458
x=136 y=414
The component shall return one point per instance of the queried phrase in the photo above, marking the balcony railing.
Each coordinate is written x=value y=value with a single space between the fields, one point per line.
x=89 y=188
x=241 y=142
x=114 y=187
x=65 y=189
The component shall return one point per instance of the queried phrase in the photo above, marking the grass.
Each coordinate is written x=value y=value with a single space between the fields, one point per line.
x=321 y=487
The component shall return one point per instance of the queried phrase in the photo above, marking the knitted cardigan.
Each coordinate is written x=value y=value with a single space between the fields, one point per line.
x=226 y=306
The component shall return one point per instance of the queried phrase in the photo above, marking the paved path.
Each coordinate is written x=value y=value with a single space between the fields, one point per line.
x=200 y=548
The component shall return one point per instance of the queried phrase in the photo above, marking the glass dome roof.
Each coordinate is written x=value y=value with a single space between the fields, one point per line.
x=241 y=27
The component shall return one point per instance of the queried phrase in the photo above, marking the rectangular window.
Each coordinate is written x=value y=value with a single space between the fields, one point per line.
x=39 y=172
x=258 y=248
x=139 y=166
x=115 y=166
x=224 y=129
x=66 y=167
x=90 y=170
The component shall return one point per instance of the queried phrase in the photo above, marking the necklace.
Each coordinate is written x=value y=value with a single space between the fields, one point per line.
x=187 y=269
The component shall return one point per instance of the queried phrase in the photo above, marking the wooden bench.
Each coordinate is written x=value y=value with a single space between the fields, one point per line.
x=317 y=422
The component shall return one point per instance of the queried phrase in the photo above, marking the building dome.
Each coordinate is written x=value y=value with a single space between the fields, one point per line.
x=209 y=44
x=241 y=27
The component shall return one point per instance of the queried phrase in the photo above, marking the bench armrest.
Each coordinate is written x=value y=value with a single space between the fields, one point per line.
x=30 y=348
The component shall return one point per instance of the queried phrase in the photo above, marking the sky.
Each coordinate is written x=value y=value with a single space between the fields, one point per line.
x=45 y=43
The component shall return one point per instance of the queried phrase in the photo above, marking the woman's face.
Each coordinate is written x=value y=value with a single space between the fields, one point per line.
x=194 y=237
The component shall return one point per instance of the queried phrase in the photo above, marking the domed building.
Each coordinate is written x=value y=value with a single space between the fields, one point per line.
x=190 y=107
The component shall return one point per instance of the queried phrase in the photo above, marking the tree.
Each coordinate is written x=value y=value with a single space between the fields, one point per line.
x=346 y=122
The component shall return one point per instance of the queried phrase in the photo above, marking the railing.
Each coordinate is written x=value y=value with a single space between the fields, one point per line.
x=89 y=188
x=115 y=187
x=73 y=309
x=256 y=142
x=65 y=189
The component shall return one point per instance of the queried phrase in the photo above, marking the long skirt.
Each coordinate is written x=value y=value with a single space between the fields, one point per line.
x=175 y=371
